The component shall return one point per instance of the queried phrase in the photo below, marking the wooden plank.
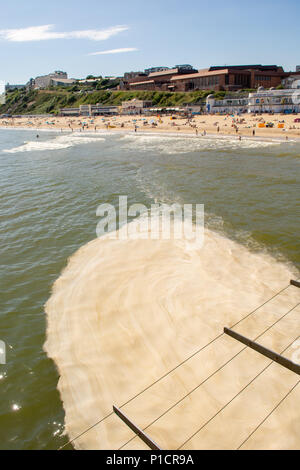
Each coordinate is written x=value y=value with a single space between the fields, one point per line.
x=295 y=283
x=264 y=351
x=150 y=443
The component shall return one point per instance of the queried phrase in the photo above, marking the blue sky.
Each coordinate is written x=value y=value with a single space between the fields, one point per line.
x=64 y=34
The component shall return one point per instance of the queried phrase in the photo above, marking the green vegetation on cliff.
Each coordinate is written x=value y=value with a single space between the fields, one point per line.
x=51 y=100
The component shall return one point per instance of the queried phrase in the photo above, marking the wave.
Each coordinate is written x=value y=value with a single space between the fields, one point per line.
x=59 y=143
x=124 y=313
x=174 y=144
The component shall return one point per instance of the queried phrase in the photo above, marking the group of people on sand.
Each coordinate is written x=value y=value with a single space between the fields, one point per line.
x=250 y=125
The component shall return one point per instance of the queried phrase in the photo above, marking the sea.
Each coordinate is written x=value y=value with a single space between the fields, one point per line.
x=50 y=189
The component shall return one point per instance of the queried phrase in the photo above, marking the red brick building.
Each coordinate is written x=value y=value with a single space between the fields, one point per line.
x=229 y=78
x=160 y=81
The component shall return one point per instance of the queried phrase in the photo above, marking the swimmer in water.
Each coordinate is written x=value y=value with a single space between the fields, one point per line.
x=37 y=136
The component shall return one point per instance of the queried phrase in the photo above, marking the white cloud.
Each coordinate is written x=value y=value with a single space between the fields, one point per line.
x=43 y=33
x=115 y=51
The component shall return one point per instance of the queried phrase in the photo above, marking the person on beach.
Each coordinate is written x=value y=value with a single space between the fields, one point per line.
x=253 y=132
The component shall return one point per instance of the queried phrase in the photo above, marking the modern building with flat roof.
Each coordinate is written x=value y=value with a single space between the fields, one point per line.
x=274 y=101
x=293 y=81
x=227 y=105
x=155 y=69
x=159 y=81
x=135 y=106
x=62 y=81
x=262 y=101
x=90 y=110
x=131 y=75
x=231 y=78
x=216 y=78
x=57 y=78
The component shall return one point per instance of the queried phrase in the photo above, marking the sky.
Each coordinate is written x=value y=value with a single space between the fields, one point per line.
x=109 y=38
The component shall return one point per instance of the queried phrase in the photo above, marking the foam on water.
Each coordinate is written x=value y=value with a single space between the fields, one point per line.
x=58 y=143
x=124 y=313
x=170 y=144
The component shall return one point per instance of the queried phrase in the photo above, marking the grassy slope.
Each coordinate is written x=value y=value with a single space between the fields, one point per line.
x=50 y=101
x=53 y=99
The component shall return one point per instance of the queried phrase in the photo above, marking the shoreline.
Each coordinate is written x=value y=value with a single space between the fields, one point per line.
x=161 y=132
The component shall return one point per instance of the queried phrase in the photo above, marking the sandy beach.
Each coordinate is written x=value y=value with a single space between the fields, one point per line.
x=246 y=125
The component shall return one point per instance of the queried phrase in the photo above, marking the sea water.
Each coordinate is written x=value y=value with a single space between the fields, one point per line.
x=51 y=187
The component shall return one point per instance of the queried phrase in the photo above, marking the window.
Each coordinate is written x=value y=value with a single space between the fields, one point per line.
x=262 y=78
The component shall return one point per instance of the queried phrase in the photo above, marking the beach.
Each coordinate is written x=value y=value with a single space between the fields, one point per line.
x=246 y=125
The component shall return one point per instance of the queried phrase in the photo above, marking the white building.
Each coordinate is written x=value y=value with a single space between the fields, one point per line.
x=274 y=101
x=62 y=81
x=135 y=106
x=292 y=82
x=58 y=78
x=70 y=111
x=90 y=110
x=227 y=106
x=263 y=101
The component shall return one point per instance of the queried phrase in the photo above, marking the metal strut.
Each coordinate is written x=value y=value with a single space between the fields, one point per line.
x=150 y=443
x=283 y=361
